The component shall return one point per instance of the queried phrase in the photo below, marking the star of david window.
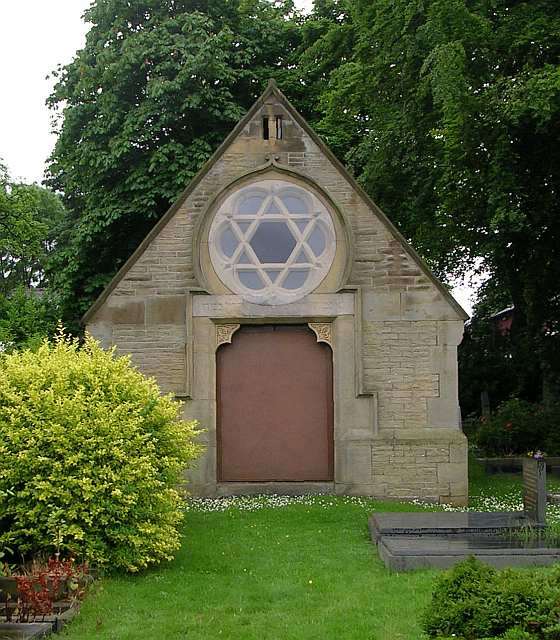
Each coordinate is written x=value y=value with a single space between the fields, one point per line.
x=272 y=242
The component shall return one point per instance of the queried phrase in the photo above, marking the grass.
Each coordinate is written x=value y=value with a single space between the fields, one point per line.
x=273 y=569
x=301 y=571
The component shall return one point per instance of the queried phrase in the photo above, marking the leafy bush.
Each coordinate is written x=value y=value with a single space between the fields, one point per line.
x=518 y=427
x=456 y=601
x=517 y=634
x=91 y=455
x=474 y=601
x=26 y=318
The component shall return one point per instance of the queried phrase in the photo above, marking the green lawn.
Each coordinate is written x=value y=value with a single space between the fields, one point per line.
x=300 y=571
x=306 y=570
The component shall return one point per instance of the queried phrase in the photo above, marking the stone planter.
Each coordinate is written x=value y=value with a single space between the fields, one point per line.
x=63 y=612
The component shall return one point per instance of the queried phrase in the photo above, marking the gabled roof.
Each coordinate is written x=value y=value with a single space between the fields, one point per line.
x=272 y=89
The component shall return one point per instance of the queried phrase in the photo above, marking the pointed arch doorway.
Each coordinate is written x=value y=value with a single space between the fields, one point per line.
x=275 y=406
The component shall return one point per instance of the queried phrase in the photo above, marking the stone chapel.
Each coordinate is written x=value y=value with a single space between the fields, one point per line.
x=300 y=329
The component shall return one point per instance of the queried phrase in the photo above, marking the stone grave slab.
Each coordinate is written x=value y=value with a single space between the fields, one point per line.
x=404 y=553
x=441 y=539
x=446 y=523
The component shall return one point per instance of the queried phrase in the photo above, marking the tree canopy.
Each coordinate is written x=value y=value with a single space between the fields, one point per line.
x=29 y=217
x=449 y=113
x=159 y=84
x=29 y=224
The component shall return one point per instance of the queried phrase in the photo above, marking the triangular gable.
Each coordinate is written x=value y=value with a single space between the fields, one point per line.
x=272 y=89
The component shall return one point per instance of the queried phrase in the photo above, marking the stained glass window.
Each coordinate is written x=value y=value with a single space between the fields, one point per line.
x=272 y=242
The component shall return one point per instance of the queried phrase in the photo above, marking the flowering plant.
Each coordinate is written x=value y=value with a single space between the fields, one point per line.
x=517 y=426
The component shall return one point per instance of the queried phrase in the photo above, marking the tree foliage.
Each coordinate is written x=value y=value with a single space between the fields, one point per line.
x=27 y=316
x=29 y=217
x=159 y=84
x=449 y=112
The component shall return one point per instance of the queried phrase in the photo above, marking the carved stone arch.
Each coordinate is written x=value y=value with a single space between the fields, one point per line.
x=273 y=167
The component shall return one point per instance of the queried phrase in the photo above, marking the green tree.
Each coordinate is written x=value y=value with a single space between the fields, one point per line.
x=29 y=216
x=449 y=113
x=157 y=87
x=29 y=221
x=27 y=316
x=327 y=40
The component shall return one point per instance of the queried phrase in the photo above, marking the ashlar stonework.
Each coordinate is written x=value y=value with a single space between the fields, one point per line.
x=392 y=327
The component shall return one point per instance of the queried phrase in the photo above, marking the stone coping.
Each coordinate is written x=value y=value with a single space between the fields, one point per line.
x=269 y=488
x=445 y=523
x=405 y=553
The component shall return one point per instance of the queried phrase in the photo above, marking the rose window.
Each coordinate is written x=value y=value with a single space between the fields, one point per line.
x=272 y=242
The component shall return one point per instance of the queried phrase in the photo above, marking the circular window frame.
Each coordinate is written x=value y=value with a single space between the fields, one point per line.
x=227 y=215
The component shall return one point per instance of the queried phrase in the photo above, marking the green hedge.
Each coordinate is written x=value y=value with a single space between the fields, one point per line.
x=91 y=457
x=473 y=601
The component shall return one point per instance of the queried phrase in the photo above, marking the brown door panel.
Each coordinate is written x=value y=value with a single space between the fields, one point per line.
x=275 y=406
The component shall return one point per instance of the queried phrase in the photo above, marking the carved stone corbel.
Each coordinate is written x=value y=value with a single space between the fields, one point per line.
x=323 y=331
x=224 y=333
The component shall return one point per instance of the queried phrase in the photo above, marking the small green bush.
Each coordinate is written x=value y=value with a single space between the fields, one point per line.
x=91 y=457
x=456 y=601
x=515 y=634
x=473 y=601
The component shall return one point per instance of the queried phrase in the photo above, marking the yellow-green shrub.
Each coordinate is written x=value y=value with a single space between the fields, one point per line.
x=90 y=457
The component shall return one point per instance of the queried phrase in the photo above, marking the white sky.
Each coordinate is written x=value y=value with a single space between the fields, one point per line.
x=35 y=37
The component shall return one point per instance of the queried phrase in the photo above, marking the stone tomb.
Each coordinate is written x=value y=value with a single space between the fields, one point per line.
x=283 y=307
x=445 y=523
x=408 y=541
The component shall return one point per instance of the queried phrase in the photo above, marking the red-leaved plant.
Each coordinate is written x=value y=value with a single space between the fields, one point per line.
x=39 y=586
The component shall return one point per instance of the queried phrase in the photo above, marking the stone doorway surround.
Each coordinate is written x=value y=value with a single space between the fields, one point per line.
x=213 y=321
x=394 y=328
